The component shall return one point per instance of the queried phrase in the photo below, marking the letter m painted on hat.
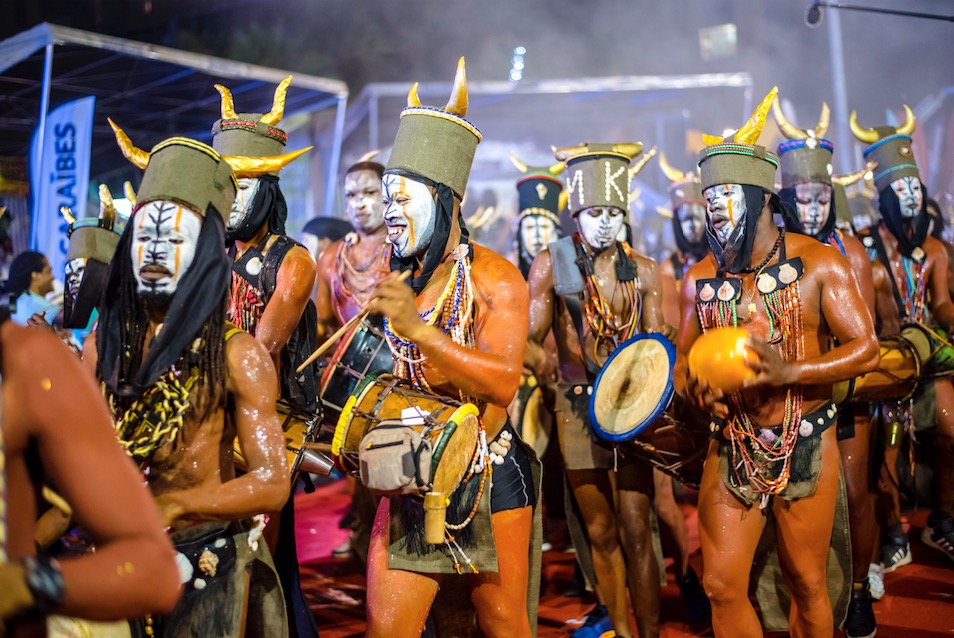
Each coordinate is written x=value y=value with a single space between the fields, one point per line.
x=576 y=185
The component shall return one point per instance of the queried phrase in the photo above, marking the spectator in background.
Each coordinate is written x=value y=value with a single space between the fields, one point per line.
x=321 y=232
x=30 y=280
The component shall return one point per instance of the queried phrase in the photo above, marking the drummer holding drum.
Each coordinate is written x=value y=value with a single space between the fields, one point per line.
x=595 y=293
x=773 y=455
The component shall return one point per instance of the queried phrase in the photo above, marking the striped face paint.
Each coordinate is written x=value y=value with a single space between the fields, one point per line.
x=244 y=197
x=908 y=190
x=164 y=239
x=725 y=205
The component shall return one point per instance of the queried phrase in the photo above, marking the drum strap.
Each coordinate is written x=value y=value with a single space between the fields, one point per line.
x=875 y=235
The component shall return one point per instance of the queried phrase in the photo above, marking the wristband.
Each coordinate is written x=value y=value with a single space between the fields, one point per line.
x=45 y=581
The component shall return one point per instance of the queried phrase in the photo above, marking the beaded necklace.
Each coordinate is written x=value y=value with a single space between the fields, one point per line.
x=835 y=238
x=356 y=283
x=758 y=449
x=605 y=326
x=913 y=289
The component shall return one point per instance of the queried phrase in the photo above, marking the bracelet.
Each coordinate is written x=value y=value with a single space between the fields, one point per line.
x=45 y=582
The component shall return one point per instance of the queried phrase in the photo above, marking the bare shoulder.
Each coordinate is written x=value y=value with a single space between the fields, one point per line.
x=704 y=269
x=298 y=258
x=28 y=351
x=642 y=261
x=855 y=250
x=328 y=257
x=814 y=253
x=247 y=359
x=495 y=277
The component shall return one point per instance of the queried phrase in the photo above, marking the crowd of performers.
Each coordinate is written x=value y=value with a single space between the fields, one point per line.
x=196 y=320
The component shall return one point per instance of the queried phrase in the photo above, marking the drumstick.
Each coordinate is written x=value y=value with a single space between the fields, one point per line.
x=343 y=329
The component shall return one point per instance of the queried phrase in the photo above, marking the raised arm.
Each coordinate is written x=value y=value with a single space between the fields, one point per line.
x=132 y=571
x=293 y=286
x=265 y=486
x=324 y=304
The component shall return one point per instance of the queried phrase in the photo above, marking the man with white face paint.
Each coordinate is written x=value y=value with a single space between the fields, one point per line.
x=918 y=264
x=773 y=447
x=541 y=197
x=470 y=350
x=183 y=385
x=808 y=189
x=591 y=273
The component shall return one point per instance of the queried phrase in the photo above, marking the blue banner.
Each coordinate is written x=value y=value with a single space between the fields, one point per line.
x=59 y=176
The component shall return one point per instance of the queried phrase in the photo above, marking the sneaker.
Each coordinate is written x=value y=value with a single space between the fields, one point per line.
x=940 y=536
x=694 y=597
x=597 y=624
x=896 y=552
x=860 y=622
x=876 y=580
x=344 y=550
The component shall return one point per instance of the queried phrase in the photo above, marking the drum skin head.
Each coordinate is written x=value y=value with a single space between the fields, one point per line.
x=633 y=388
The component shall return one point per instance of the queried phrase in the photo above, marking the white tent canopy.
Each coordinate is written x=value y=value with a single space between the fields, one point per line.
x=153 y=92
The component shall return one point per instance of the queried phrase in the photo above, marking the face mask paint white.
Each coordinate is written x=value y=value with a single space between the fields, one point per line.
x=908 y=190
x=813 y=201
x=600 y=225
x=241 y=207
x=536 y=231
x=725 y=206
x=363 y=201
x=164 y=240
x=692 y=220
x=75 y=270
x=410 y=213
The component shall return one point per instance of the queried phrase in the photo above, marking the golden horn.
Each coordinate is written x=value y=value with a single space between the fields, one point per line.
x=909 y=121
x=867 y=135
x=851 y=178
x=367 y=157
x=67 y=214
x=750 y=131
x=634 y=195
x=664 y=212
x=562 y=201
x=135 y=155
x=520 y=166
x=273 y=117
x=822 y=127
x=258 y=166
x=129 y=192
x=790 y=131
x=563 y=154
x=457 y=104
x=631 y=149
x=412 y=99
x=711 y=140
x=556 y=169
x=228 y=106
x=107 y=209
x=671 y=173
x=638 y=166
x=3 y=209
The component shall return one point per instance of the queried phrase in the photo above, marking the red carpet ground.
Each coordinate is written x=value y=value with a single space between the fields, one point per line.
x=919 y=601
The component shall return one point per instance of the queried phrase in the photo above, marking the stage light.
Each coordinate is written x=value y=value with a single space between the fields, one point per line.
x=517 y=64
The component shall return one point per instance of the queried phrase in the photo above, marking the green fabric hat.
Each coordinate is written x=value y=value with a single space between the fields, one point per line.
x=437 y=143
x=805 y=160
x=250 y=134
x=598 y=174
x=895 y=160
x=189 y=173
x=89 y=240
x=739 y=160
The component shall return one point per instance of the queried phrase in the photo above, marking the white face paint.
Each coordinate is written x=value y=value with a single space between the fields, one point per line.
x=692 y=221
x=164 y=240
x=908 y=190
x=410 y=213
x=241 y=207
x=813 y=201
x=75 y=269
x=363 y=201
x=725 y=205
x=600 y=225
x=536 y=231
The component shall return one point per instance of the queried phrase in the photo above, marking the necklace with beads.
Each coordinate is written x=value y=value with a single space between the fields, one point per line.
x=605 y=326
x=356 y=283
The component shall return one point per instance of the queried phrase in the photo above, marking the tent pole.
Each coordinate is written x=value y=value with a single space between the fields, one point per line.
x=335 y=156
x=41 y=133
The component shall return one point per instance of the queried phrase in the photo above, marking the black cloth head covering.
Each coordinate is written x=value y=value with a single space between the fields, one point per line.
x=268 y=207
x=76 y=312
x=442 y=228
x=21 y=272
x=793 y=221
x=696 y=251
x=738 y=262
x=890 y=207
x=328 y=227
x=200 y=292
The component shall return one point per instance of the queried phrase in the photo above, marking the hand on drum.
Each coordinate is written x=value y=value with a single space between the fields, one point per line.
x=769 y=366
x=710 y=399
x=396 y=299
x=668 y=331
